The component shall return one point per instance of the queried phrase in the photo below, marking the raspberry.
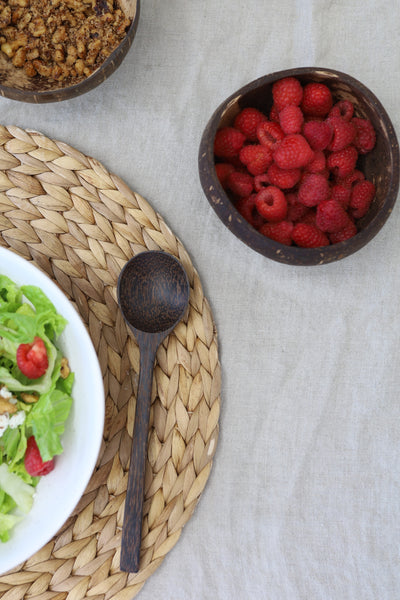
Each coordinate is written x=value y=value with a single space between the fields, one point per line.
x=270 y=134
x=318 y=134
x=247 y=121
x=33 y=461
x=287 y=91
x=343 y=109
x=223 y=171
x=257 y=158
x=32 y=358
x=296 y=210
x=331 y=216
x=341 y=193
x=274 y=114
x=343 y=162
x=344 y=234
x=293 y=152
x=313 y=189
x=351 y=180
x=283 y=178
x=306 y=235
x=271 y=204
x=280 y=232
x=247 y=208
x=240 y=184
x=318 y=163
x=365 y=135
x=317 y=100
x=361 y=197
x=261 y=181
x=228 y=142
x=310 y=217
x=291 y=119
x=343 y=133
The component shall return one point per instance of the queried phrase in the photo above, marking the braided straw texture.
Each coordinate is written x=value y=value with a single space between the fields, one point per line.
x=80 y=224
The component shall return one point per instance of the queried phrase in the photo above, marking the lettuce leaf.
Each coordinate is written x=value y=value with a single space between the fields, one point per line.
x=18 y=490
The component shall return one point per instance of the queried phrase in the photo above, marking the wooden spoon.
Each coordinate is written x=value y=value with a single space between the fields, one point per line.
x=153 y=294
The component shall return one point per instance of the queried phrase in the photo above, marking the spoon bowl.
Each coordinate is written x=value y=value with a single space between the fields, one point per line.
x=153 y=295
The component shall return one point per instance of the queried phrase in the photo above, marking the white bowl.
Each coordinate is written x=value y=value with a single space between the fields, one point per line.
x=58 y=493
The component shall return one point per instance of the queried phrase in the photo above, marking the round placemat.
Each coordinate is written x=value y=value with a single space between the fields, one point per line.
x=80 y=224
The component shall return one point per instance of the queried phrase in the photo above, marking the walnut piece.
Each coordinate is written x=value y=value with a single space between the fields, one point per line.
x=60 y=40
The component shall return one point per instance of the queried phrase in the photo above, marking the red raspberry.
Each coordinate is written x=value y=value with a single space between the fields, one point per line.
x=240 y=184
x=365 y=135
x=306 y=235
x=318 y=134
x=257 y=158
x=310 y=217
x=344 y=234
x=343 y=133
x=261 y=181
x=313 y=189
x=247 y=208
x=287 y=91
x=32 y=358
x=293 y=152
x=343 y=162
x=351 y=180
x=247 y=122
x=33 y=461
x=317 y=100
x=296 y=210
x=318 y=163
x=291 y=119
x=280 y=232
x=271 y=204
x=361 y=197
x=283 y=178
x=270 y=134
x=274 y=114
x=331 y=216
x=343 y=109
x=223 y=171
x=228 y=142
x=341 y=193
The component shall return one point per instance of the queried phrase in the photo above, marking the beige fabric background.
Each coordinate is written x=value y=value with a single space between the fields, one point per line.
x=303 y=502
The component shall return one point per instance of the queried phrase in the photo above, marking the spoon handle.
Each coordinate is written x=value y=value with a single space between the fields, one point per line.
x=132 y=526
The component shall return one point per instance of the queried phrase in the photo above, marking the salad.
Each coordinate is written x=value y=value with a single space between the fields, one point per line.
x=35 y=396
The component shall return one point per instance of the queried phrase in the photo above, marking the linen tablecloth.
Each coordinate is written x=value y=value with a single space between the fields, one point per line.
x=303 y=500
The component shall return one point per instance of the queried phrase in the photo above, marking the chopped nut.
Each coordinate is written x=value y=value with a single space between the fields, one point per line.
x=7 y=407
x=19 y=57
x=64 y=368
x=29 y=398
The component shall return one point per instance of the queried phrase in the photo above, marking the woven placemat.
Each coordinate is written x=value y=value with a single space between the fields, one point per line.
x=80 y=224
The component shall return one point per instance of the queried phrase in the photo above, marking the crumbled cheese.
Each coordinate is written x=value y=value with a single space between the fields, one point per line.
x=4 y=421
x=17 y=419
x=5 y=393
x=12 y=422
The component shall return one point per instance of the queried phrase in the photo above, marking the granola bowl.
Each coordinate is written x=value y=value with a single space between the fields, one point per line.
x=59 y=491
x=52 y=54
x=380 y=166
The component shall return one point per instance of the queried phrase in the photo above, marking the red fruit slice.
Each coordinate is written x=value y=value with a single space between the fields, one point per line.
x=32 y=358
x=33 y=461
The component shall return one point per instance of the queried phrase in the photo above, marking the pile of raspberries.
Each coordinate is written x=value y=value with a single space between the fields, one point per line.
x=293 y=175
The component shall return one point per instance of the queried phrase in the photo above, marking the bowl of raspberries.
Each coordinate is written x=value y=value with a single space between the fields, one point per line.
x=302 y=165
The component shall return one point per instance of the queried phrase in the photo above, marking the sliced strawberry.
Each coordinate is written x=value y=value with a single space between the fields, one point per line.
x=33 y=461
x=32 y=358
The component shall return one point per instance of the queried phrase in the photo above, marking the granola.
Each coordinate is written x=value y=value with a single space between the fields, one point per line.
x=60 y=40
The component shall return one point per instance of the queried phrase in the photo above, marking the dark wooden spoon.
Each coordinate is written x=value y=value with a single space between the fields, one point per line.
x=153 y=294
